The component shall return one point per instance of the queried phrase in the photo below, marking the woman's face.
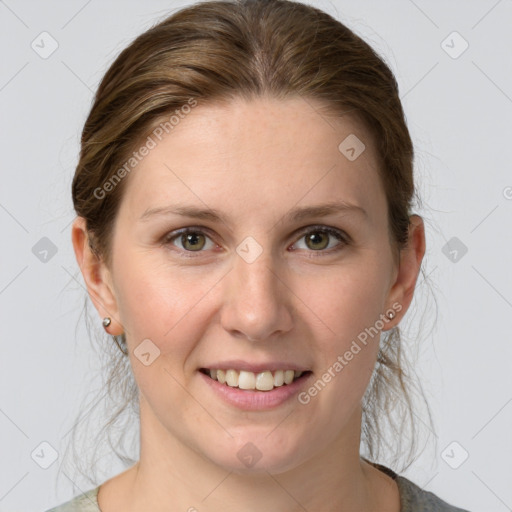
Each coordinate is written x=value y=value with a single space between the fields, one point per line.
x=260 y=285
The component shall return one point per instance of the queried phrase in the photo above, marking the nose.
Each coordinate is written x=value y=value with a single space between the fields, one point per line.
x=257 y=304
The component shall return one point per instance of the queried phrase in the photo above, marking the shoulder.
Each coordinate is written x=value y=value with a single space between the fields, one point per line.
x=416 y=499
x=86 y=502
x=413 y=498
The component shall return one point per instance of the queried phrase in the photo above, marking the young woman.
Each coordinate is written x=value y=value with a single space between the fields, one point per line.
x=244 y=230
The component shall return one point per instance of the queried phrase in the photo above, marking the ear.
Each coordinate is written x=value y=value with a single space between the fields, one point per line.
x=97 y=277
x=411 y=257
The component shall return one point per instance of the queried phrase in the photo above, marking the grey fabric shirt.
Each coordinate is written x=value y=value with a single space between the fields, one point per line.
x=412 y=498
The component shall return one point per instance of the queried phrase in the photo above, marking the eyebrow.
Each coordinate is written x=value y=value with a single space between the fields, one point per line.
x=294 y=215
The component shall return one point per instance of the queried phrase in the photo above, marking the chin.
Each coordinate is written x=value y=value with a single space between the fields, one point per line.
x=256 y=455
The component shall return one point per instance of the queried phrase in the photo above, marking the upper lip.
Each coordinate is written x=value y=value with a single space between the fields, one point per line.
x=239 y=364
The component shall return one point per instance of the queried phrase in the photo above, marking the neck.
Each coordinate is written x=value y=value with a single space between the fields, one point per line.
x=171 y=476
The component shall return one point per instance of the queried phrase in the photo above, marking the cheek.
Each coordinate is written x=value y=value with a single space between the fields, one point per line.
x=346 y=309
x=161 y=303
x=349 y=302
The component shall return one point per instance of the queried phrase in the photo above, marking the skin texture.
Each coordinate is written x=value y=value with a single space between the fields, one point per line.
x=254 y=161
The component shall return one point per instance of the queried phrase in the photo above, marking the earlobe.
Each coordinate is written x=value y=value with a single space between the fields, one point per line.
x=96 y=276
x=411 y=257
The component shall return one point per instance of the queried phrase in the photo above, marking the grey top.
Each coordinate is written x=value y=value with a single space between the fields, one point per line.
x=86 y=502
x=412 y=498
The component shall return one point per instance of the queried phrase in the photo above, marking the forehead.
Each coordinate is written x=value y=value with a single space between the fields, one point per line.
x=244 y=155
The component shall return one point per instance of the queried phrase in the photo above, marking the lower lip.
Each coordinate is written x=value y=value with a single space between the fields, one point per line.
x=251 y=400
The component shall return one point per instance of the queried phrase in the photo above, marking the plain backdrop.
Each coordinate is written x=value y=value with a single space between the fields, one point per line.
x=452 y=61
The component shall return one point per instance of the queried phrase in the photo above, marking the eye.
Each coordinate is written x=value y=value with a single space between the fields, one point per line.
x=317 y=238
x=194 y=239
x=190 y=239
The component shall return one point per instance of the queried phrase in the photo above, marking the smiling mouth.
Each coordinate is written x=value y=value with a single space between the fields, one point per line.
x=262 y=381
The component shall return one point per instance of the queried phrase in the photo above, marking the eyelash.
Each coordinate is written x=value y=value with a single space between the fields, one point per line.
x=336 y=233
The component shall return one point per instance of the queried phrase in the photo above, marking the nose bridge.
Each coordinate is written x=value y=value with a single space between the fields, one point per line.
x=257 y=278
x=255 y=301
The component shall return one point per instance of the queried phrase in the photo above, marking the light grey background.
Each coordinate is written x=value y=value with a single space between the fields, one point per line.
x=459 y=113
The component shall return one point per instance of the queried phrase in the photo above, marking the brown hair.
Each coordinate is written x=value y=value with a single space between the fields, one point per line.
x=219 y=50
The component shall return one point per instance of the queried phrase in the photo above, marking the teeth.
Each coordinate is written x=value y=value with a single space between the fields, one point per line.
x=288 y=376
x=246 y=380
x=263 y=381
x=279 y=378
x=232 y=378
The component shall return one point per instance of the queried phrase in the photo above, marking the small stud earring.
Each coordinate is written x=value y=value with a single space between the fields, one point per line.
x=106 y=322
